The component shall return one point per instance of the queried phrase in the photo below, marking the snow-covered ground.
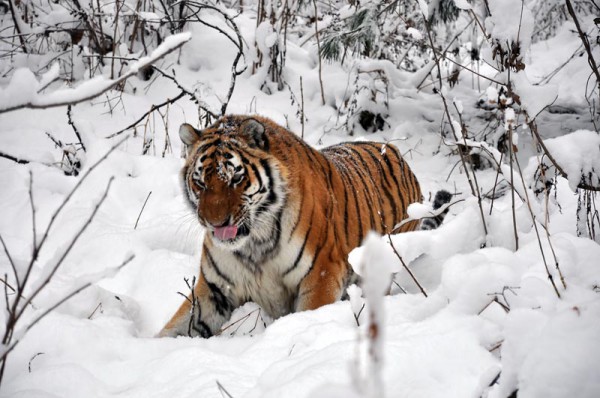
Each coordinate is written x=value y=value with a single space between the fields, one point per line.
x=490 y=311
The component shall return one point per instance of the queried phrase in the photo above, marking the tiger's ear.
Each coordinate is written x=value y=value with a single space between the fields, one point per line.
x=254 y=131
x=188 y=134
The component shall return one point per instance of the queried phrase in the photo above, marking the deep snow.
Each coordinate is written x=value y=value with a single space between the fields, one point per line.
x=454 y=343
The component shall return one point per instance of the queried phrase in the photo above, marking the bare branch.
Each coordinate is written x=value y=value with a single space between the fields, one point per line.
x=585 y=41
x=152 y=109
x=72 y=123
x=414 y=278
x=67 y=250
x=37 y=249
x=141 y=211
x=10 y=260
x=14 y=158
x=53 y=307
x=15 y=18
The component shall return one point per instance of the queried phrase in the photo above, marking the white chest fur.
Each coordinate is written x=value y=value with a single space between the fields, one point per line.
x=269 y=283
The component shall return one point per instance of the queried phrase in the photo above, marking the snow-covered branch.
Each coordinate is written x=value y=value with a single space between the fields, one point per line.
x=23 y=89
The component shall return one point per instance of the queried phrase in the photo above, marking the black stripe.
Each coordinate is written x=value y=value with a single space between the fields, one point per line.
x=301 y=251
x=314 y=260
x=257 y=174
x=358 y=213
x=297 y=222
x=345 y=185
x=396 y=183
x=378 y=211
x=357 y=157
x=214 y=266
x=208 y=145
x=386 y=191
x=404 y=184
x=202 y=329
x=329 y=176
x=222 y=304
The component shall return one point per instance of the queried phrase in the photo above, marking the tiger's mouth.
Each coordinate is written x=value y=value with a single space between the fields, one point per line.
x=230 y=233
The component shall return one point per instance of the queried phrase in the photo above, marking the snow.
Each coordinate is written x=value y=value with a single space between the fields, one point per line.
x=414 y=33
x=424 y=8
x=577 y=155
x=489 y=312
x=463 y=4
x=508 y=30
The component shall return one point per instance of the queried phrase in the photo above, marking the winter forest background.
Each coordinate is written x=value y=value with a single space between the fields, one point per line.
x=494 y=100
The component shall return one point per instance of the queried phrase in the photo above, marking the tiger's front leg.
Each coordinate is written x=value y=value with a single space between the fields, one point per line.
x=201 y=314
x=324 y=284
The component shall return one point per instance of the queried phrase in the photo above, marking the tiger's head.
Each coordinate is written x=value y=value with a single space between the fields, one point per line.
x=231 y=181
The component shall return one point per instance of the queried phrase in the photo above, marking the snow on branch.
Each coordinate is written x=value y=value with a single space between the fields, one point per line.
x=419 y=211
x=23 y=91
x=576 y=156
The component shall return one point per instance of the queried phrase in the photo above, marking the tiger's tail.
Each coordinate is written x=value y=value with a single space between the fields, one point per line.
x=441 y=198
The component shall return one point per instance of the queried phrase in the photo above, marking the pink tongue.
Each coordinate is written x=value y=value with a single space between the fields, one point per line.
x=226 y=233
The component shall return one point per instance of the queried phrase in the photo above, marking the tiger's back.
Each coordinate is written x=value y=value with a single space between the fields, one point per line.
x=288 y=216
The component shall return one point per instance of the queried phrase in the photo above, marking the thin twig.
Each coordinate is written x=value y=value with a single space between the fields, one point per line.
x=474 y=190
x=13 y=315
x=19 y=34
x=72 y=123
x=586 y=43
x=14 y=158
x=31 y=203
x=537 y=233
x=141 y=211
x=145 y=115
x=68 y=249
x=302 y=106
x=223 y=390
x=414 y=278
x=52 y=308
x=10 y=260
x=514 y=211
x=319 y=53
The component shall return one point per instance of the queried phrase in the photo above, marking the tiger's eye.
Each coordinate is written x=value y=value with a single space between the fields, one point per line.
x=237 y=179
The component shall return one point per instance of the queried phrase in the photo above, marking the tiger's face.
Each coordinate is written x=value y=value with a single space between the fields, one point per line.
x=229 y=181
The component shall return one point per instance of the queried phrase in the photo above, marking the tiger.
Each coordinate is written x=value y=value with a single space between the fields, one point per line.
x=281 y=217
